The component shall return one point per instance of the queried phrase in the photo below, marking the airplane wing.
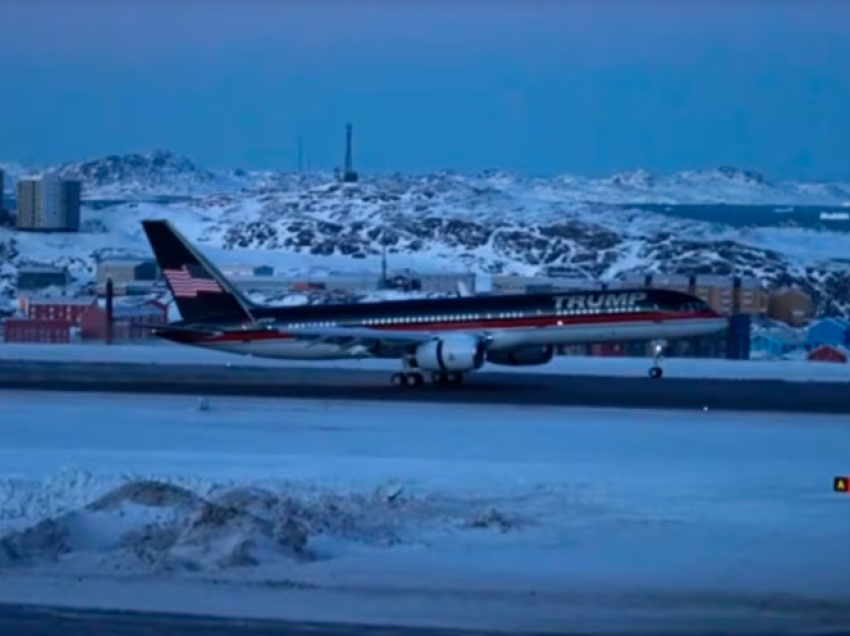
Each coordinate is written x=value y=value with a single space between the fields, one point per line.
x=361 y=336
x=174 y=329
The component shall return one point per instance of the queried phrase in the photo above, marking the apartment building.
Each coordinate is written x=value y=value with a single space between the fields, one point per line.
x=729 y=295
x=127 y=270
x=49 y=204
x=790 y=305
x=444 y=282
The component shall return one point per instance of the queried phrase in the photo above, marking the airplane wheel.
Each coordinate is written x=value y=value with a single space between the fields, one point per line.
x=656 y=372
x=447 y=379
x=407 y=379
x=438 y=377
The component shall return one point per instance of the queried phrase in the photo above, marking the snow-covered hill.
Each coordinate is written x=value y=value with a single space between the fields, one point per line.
x=490 y=222
x=152 y=174
x=157 y=173
x=723 y=185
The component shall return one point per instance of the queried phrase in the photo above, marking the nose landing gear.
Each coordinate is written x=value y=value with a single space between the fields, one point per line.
x=655 y=371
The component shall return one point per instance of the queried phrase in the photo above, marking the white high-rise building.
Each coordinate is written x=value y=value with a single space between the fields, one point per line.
x=49 y=213
x=48 y=203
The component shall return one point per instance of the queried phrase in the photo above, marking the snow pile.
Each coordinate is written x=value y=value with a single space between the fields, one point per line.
x=152 y=525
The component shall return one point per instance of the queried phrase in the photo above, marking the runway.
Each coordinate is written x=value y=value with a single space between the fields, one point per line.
x=22 y=620
x=823 y=619
x=493 y=388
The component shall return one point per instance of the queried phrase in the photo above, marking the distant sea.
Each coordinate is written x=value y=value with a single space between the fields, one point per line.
x=832 y=218
x=836 y=219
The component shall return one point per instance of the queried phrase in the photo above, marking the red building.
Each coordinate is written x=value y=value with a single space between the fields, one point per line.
x=129 y=322
x=829 y=353
x=64 y=309
x=46 y=331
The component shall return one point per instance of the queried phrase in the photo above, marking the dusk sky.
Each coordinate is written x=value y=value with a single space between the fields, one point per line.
x=537 y=86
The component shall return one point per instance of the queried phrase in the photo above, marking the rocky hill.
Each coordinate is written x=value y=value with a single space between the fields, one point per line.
x=489 y=222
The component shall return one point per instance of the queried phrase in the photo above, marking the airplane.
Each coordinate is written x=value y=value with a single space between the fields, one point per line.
x=446 y=338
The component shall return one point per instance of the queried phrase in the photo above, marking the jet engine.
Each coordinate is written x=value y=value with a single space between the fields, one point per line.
x=451 y=353
x=522 y=356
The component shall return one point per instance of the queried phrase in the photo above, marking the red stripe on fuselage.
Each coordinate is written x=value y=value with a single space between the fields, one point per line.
x=526 y=322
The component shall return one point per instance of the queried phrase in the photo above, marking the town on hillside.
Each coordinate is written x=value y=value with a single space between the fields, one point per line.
x=51 y=307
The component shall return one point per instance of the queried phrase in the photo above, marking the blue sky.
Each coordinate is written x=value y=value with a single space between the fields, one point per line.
x=538 y=86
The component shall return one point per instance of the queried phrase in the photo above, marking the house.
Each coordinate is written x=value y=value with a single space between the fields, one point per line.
x=512 y=284
x=246 y=271
x=830 y=353
x=789 y=305
x=264 y=270
x=44 y=331
x=776 y=344
x=443 y=283
x=728 y=295
x=125 y=270
x=61 y=308
x=829 y=331
x=130 y=322
x=32 y=278
x=733 y=295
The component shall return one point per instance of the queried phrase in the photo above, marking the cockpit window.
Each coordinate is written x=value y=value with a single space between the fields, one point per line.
x=697 y=305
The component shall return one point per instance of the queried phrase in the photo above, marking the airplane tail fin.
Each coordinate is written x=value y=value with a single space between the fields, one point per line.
x=200 y=290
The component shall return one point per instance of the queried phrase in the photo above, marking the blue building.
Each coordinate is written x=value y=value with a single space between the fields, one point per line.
x=829 y=331
x=775 y=345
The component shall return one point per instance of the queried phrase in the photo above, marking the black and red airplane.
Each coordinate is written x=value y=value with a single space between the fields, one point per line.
x=445 y=337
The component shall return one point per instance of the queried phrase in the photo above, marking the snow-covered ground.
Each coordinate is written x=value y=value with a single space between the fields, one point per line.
x=311 y=225
x=166 y=354
x=497 y=517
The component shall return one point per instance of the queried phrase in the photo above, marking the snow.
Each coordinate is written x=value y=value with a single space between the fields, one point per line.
x=494 y=517
x=220 y=201
x=168 y=354
x=117 y=231
x=312 y=227
x=725 y=185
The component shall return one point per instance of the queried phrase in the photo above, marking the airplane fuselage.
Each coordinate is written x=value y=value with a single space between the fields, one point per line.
x=510 y=322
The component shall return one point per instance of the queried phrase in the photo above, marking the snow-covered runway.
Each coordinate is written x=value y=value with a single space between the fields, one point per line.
x=692 y=368
x=486 y=504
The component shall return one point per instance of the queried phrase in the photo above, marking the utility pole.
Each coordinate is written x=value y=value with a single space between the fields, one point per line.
x=110 y=312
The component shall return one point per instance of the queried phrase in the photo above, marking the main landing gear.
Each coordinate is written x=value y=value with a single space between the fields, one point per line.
x=655 y=371
x=416 y=379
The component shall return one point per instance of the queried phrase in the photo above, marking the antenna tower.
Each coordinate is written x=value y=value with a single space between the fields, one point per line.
x=349 y=175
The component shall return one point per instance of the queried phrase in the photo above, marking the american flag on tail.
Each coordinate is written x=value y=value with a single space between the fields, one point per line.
x=189 y=280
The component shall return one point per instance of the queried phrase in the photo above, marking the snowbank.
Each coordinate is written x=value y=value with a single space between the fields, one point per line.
x=159 y=526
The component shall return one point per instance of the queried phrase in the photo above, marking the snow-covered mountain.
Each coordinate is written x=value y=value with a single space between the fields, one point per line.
x=723 y=185
x=155 y=173
x=489 y=222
